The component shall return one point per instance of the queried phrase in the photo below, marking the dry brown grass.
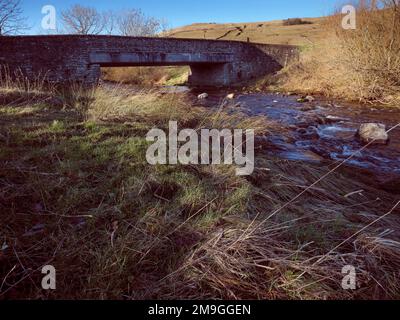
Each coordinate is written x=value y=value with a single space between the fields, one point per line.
x=299 y=252
x=16 y=81
x=147 y=76
x=266 y=265
x=153 y=106
x=270 y=32
x=362 y=64
x=77 y=193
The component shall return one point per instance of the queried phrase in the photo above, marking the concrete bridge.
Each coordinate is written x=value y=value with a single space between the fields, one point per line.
x=71 y=58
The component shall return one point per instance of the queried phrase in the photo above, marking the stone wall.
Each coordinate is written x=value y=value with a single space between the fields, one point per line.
x=70 y=58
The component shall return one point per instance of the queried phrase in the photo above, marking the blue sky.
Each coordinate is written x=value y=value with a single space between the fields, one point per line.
x=183 y=12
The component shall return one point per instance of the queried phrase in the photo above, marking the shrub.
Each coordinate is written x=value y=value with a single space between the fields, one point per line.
x=361 y=64
x=295 y=21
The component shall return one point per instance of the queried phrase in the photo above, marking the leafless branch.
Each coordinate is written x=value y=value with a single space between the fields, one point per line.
x=11 y=19
x=83 y=20
x=134 y=23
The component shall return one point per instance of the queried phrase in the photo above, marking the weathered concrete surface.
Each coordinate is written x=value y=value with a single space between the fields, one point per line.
x=71 y=58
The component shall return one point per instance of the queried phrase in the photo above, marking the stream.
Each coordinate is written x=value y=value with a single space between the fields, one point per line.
x=321 y=130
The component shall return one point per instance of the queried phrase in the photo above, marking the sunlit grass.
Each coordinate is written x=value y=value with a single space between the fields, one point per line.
x=116 y=227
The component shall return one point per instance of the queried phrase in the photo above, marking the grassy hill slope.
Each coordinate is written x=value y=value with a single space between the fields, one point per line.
x=274 y=32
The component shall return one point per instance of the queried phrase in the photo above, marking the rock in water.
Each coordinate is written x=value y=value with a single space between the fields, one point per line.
x=309 y=98
x=202 y=96
x=334 y=119
x=373 y=132
x=230 y=96
x=306 y=99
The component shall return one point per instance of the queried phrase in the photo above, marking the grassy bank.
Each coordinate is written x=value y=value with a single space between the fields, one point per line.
x=358 y=65
x=361 y=64
x=147 y=76
x=76 y=192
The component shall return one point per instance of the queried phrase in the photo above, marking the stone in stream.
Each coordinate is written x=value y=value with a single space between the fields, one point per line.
x=373 y=133
x=202 y=96
x=309 y=98
x=312 y=133
x=301 y=131
x=230 y=96
x=306 y=99
x=329 y=119
x=333 y=119
x=309 y=133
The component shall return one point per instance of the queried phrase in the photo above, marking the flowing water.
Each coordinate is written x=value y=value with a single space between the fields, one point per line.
x=321 y=130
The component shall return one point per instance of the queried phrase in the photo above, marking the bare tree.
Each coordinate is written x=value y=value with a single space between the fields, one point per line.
x=111 y=19
x=83 y=20
x=11 y=19
x=134 y=23
x=87 y=20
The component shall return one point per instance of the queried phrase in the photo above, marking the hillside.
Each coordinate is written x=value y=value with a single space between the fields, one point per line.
x=274 y=32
